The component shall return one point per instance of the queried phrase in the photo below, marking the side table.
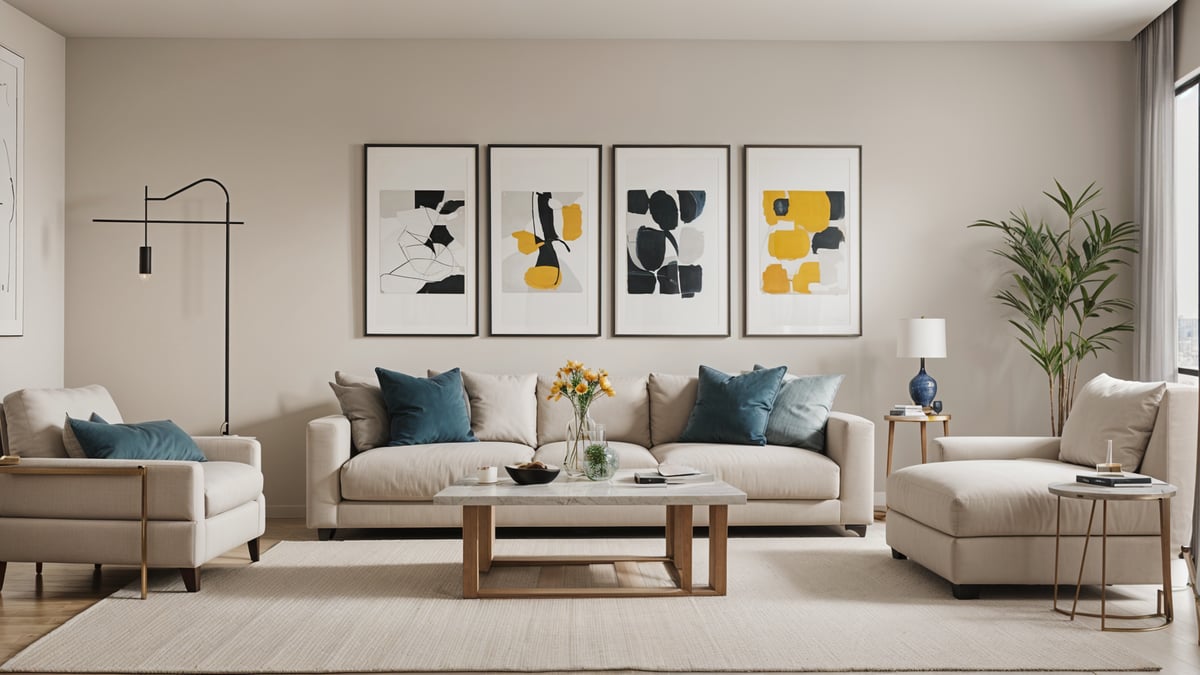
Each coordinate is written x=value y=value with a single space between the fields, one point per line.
x=944 y=418
x=1161 y=492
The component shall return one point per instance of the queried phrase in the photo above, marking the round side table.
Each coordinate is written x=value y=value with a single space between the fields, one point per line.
x=1161 y=492
x=924 y=420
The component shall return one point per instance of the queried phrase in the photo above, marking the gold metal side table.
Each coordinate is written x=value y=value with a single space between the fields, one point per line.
x=1160 y=492
x=140 y=471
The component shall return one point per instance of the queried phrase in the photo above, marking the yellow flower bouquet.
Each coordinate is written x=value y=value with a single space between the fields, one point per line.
x=582 y=386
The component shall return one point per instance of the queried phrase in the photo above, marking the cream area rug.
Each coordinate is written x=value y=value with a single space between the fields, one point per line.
x=797 y=604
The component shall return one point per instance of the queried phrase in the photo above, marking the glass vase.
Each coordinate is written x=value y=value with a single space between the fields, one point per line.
x=582 y=432
x=599 y=461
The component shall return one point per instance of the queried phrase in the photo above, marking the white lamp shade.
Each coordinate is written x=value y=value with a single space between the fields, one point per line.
x=922 y=339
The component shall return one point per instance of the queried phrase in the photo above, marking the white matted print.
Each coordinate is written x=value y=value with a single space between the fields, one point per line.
x=421 y=239
x=12 y=156
x=803 y=240
x=544 y=230
x=671 y=253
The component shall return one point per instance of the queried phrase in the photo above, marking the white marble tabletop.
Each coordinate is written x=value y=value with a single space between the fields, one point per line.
x=562 y=490
x=1155 y=490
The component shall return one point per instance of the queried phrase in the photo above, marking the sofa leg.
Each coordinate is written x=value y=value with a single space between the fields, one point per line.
x=897 y=555
x=965 y=591
x=326 y=533
x=860 y=530
x=252 y=546
x=3 y=569
x=37 y=568
x=191 y=578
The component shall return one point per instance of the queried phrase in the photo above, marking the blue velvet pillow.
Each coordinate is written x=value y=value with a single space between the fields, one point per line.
x=425 y=410
x=733 y=408
x=161 y=439
x=802 y=410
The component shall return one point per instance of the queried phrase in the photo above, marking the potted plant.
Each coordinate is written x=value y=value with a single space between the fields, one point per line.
x=1061 y=292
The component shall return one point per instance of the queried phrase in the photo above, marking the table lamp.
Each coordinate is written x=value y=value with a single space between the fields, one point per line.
x=923 y=339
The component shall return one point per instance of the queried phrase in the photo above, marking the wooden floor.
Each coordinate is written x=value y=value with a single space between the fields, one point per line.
x=31 y=606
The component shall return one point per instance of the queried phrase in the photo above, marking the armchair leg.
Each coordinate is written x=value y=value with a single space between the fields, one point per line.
x=191 y=578
x=860 y=530
x=965 y=591
x=325 y=533
x=252 y=546
x=3 y=569
x=37 y=568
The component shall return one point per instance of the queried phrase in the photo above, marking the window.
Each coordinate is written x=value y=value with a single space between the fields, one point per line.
x=1187 y=215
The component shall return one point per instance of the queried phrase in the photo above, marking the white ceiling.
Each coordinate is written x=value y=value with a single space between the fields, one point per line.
x=826 y=20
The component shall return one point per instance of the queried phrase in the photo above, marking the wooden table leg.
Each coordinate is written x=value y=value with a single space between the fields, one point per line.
x=470 y=527
x=945 y=428
x=891 y=440
x=924 y=441
x=670 y=553
x=487 y=536
x=718 y=546
x=683 y=546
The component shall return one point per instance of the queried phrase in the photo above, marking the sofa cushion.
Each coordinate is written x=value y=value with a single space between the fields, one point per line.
x=801 y=410
x=733 y=408
x=626 y=416
x=1110 y=409
x=228 y=485
x=362 y=403
x=503 y=407
x=672 y=398
x=35 y=417
x=1004 y=497
x=761 y=471
x=629 y=455
x=418 y=472
x=425 y=410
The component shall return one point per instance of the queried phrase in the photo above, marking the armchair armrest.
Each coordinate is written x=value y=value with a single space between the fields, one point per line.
x=242 y=449
x=328 y=448
x=850 y=441
x=175 y=491
x=956 y=448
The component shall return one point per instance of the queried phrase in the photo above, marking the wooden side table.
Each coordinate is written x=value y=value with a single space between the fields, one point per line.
x=923 y=421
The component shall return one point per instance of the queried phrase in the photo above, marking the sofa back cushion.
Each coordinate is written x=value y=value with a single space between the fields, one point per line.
x=35 y=417
x=626 y=416
x=672 y=398
x=1110 y=409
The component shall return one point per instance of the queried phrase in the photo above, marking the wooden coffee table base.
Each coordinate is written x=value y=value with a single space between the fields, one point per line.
x=479 y=537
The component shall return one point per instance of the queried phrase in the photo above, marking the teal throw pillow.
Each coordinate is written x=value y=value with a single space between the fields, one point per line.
x=733 y=408
x=802 y=409
x=425 y=410
x=161 y=439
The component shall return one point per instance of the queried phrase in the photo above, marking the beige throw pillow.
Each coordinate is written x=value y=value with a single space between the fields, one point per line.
x=503 y=407
x=626 y=416
x=362 y=403
x=1108 y=408
x=672 y=398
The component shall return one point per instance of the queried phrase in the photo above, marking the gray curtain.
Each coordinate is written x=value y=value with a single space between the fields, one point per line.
x=1154 y=201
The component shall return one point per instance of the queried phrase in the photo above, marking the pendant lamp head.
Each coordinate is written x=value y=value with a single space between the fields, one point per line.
x=144 y=262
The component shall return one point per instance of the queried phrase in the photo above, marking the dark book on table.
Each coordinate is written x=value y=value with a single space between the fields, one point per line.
x=1129 y=479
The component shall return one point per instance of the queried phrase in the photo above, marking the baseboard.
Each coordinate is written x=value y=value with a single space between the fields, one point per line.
x=285 y=511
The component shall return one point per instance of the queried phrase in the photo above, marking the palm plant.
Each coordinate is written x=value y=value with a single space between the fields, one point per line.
x=1061 y=278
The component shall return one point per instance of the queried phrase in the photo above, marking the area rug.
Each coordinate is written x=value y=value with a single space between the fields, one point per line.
x=798 y=604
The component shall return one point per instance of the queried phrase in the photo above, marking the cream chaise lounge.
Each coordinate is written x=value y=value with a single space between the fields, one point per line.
x=980 y=513
x=197 y=510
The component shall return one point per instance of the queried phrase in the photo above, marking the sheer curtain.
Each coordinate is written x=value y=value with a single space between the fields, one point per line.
x=1153 y=195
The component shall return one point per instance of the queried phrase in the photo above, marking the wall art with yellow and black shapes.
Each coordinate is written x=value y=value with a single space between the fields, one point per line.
x=803 y=240
x=544 y=229
x=420 y=215
x=671 y=244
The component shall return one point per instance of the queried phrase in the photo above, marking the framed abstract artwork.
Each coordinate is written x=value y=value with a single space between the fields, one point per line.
x=671 y=240
x=12 y=156
x=421 y=214
x=803 y=240
x=544 y=239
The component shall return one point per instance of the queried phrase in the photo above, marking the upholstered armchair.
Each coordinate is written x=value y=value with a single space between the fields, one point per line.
x=195 y=510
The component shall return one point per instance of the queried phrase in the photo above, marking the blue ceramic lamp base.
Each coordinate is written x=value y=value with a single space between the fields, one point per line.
x=922 y=388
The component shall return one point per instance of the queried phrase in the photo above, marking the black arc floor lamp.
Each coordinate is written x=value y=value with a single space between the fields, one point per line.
x=144 y=255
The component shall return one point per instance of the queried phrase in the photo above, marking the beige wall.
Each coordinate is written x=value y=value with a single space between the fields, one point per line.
x=36 y=359
x=1187 y=38
x=950 y=133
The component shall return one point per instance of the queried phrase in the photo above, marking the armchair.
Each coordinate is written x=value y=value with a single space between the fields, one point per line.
x=195 y=510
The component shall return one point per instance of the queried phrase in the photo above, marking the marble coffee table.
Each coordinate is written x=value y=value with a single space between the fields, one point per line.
x=479 y=531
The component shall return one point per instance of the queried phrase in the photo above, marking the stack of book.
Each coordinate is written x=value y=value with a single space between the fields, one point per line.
x=1114 y=479
x=905 y=410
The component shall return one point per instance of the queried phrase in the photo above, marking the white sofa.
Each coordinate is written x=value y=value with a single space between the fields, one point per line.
x=197 y=510
x=393 y=487
x=979 y=513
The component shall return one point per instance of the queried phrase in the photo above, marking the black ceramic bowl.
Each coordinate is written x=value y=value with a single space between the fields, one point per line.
x=532 y=476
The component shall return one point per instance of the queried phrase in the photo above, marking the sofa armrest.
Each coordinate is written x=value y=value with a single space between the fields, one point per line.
x=956 y=448
x=241 y=449
x=328 y=448
x=850 y=441
x=175 y=491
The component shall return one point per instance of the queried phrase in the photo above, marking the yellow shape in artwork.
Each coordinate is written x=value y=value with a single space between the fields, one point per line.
x=572 y=219
x=809 y=273
x=809 y=209
x=788 y=244
x=543 y=277
x=769 y=199
x=526 y=242
x=775 y=279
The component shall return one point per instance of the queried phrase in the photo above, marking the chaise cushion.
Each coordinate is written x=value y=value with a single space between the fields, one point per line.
x=629 y=456
x=418 y=472
x=228 y=485
x=626 y=416
x=1005 y=497
x=35 y=417
x=761 y=471
x=1110 y=409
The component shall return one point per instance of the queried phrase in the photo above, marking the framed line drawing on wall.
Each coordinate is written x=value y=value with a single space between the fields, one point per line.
x=544 y=239
x=671 y=240
x=12 y=221
x=421 y=218
x=803 y=243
